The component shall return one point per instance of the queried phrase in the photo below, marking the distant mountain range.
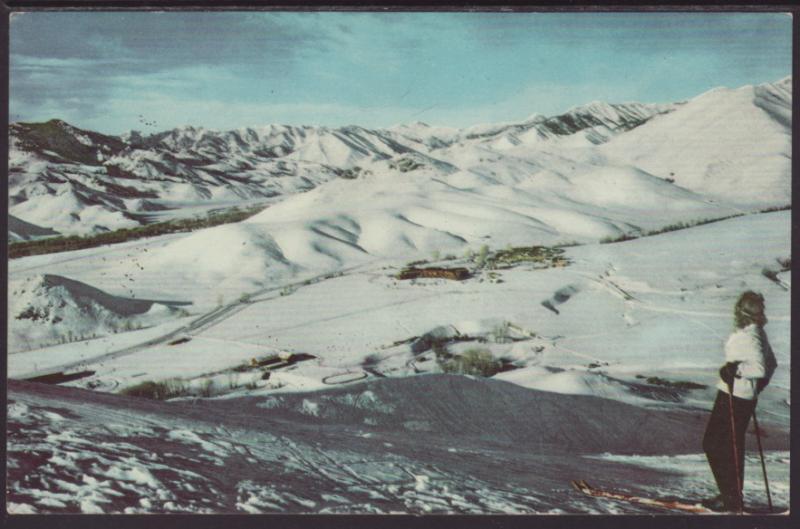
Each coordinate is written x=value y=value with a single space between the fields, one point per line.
x=731 y=145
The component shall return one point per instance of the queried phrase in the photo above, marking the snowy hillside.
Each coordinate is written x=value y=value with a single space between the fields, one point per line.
x=733 y=145
x=415 y=308
x=19 y=230
x=48 y=308
x=589 y=327
x=76 y=181
x=388 y=446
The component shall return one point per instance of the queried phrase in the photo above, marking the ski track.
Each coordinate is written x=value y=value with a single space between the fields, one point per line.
x=106 y=467
x=79 y=456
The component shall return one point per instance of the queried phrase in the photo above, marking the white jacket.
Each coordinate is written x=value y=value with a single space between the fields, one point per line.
x=750 y=347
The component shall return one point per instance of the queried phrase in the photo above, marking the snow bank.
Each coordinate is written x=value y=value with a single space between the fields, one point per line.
x=47 y=308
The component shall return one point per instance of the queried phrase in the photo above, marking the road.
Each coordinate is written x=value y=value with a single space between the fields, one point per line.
x=203 y=322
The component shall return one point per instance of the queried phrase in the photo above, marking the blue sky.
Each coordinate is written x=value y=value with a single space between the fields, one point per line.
x=117 y=71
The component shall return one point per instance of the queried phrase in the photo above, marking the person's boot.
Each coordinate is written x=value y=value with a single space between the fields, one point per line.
x=716 y=504
x=733 y=503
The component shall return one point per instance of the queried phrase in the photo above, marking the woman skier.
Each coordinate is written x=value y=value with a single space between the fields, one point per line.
x=749 y=365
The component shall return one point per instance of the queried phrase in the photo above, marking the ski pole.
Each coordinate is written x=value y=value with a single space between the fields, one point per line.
x=735 y=451
x=761 y=453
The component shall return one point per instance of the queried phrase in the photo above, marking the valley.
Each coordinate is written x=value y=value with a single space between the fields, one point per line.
x=401 y=313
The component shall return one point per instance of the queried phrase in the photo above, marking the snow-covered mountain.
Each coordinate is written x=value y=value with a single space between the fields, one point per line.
x=596 y=121
x=594 y=294
x=733 y=145
x=76 y=181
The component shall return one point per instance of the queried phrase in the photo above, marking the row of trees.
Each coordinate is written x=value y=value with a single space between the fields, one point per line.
x=77 y=242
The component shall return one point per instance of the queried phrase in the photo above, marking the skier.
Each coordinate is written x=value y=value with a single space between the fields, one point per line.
x=749 y=366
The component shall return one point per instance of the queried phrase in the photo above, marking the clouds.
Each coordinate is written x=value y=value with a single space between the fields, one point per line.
x=205 y=68
x=162 y=39
x=88 y=59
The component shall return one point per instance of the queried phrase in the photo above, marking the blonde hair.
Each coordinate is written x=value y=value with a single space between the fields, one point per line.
x=749 y=309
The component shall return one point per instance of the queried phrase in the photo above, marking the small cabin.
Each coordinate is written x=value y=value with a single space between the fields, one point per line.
x=457 y=274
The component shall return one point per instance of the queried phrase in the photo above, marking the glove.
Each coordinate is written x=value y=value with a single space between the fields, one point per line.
x=761 y=383
x=728 y=372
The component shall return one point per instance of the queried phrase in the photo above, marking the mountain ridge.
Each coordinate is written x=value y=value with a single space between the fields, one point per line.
x=99 y=182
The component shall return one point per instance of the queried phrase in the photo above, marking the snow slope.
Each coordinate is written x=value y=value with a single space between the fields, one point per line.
x=412 y=215
x=419 y=445
x=46 y=308
x=96 y=182
x=734 y=145
x=19 y=230
x=655 y=306
x=343 y=224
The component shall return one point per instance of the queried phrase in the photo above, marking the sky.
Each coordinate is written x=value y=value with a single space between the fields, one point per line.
x=150 y=71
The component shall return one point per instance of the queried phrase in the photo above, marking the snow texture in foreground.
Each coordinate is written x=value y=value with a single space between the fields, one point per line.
x=70 y=451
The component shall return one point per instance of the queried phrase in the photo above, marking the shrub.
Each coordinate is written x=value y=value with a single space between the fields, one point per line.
x=207 y=388
x=439 y=347
x=676 y=384
x=690 y=224
x=371 y=360
x=500 y=333
x=75 y=242
x=776 y=208
x=349 y=174
x=404 y=165
x=619 y=238
x=163 y=390
x=541 y=255
x=478 y=362
x=671 y=227
x=567 y=244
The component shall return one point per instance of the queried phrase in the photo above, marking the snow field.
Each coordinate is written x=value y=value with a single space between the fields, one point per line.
x=657 y=306
x=365 y=422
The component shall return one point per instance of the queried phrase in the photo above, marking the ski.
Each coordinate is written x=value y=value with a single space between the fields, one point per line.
x=582 y=486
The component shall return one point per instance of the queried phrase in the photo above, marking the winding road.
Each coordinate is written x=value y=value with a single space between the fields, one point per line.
x=203 y=322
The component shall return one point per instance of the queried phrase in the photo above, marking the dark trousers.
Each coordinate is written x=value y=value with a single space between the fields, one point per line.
x=718 y=446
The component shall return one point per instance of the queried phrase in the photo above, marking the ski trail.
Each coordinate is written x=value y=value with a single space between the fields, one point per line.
x=344 y=315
